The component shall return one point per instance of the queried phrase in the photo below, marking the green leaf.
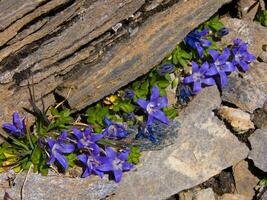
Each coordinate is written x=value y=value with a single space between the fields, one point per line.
x=262 y=17
x=71 y=158
x=135 y=154
x=170 y=112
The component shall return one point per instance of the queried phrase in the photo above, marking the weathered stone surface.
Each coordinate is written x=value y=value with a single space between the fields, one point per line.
x=260 y=117
x=245 y=181
x=258 y=141
x=99 y=58
x=186 y=195
x=238 y=119
x=252 y=33
x=249 y=92
x=233 y=197
x=205 y=194
x=248 y=9
x=203 y=147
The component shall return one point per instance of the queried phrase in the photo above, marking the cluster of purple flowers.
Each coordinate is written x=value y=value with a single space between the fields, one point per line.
x=94 y=159
x=222 y=65
x=17 y=127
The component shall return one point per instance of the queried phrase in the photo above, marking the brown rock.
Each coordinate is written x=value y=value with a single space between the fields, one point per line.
x=245 y=181
x=260 y=117
x=206 y=194
x=248 y=9
x=249 y=92
x=186 y=195
x=233 y=197
x=238 y=119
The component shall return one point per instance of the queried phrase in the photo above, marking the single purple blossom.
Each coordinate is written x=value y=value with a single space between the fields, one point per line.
x=91 y=162
x=17 y=127
x=154 y=106
x=242 y=57
x=221 y=66
x=196 y=40
x=114 y=130
x=165 y=68
x=86 y=139
x=184 y=92
x=222 y=32
x=58 y=148
x=199 y=77
x=115 y=162
x=129 y=94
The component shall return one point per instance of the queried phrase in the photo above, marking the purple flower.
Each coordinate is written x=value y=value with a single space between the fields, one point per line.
x=222 y=32
x=17 y=128
x=114 y=130
x=196 y=40
x=115 y=162
x=58 y=148
x=221 y=66
x=87 y=139
x=241 y=55
x=91 y=163
x=165 y=68
x=199 y=77
x=154 y=106
x=129 y=94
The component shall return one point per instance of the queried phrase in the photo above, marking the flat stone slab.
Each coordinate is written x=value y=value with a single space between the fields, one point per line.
x=203 y=147
x=258 y=143
x=249 y=92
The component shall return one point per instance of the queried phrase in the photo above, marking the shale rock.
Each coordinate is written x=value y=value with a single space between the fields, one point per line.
x=233 y=197
x=245 y=181
x=250 y=91
x=258 y=141
x=238 y=119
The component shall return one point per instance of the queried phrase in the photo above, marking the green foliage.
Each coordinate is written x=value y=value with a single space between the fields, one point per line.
x=170 y=112
x=61 y=119
x=262 y=17
x=95 y=115
x=71 y=159
x=214 y=24
x=181 y=56
x=263 y=182
x=135 y=153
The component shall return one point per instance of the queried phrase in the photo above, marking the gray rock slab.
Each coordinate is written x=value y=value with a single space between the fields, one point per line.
x=203 y=147
x=258 y=141
x=250 y=91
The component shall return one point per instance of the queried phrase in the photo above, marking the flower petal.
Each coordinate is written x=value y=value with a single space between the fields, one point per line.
x=105 y=167
x=86 y=172
x=154 y=93
x=78 y=134
x=124 y=155
x=142 y=103
x=51 y=160
x=110 y=152
x=83 y=158
x=188 y=79
x=159 y=115
x=107 y=121
x=209 y=81
x=214 y=54
x=223 y=78
x=66 y=148
x=10 y=128
x=200 y=50
x=126 y=166
x=150 y=120
x=117 y=175
x=195 y=67
x=51 y=143
x=62 y=160
x=244 y=66
x=204 y=67
x=162 y=102
x=196 y=87
x=212 y=71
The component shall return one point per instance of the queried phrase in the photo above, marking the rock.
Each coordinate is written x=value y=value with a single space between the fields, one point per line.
x=205 y=194
x=245 y=181
x=186 y=195
x=238 y=119
x=247 y=9
x=252 y=33
x=263 y=56
x=233 y=197
x=202 y=149
x=260 y=117
x=258 y=141
x=250 y=92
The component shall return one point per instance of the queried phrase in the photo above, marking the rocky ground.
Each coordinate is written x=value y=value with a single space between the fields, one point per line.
x=219 y=153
